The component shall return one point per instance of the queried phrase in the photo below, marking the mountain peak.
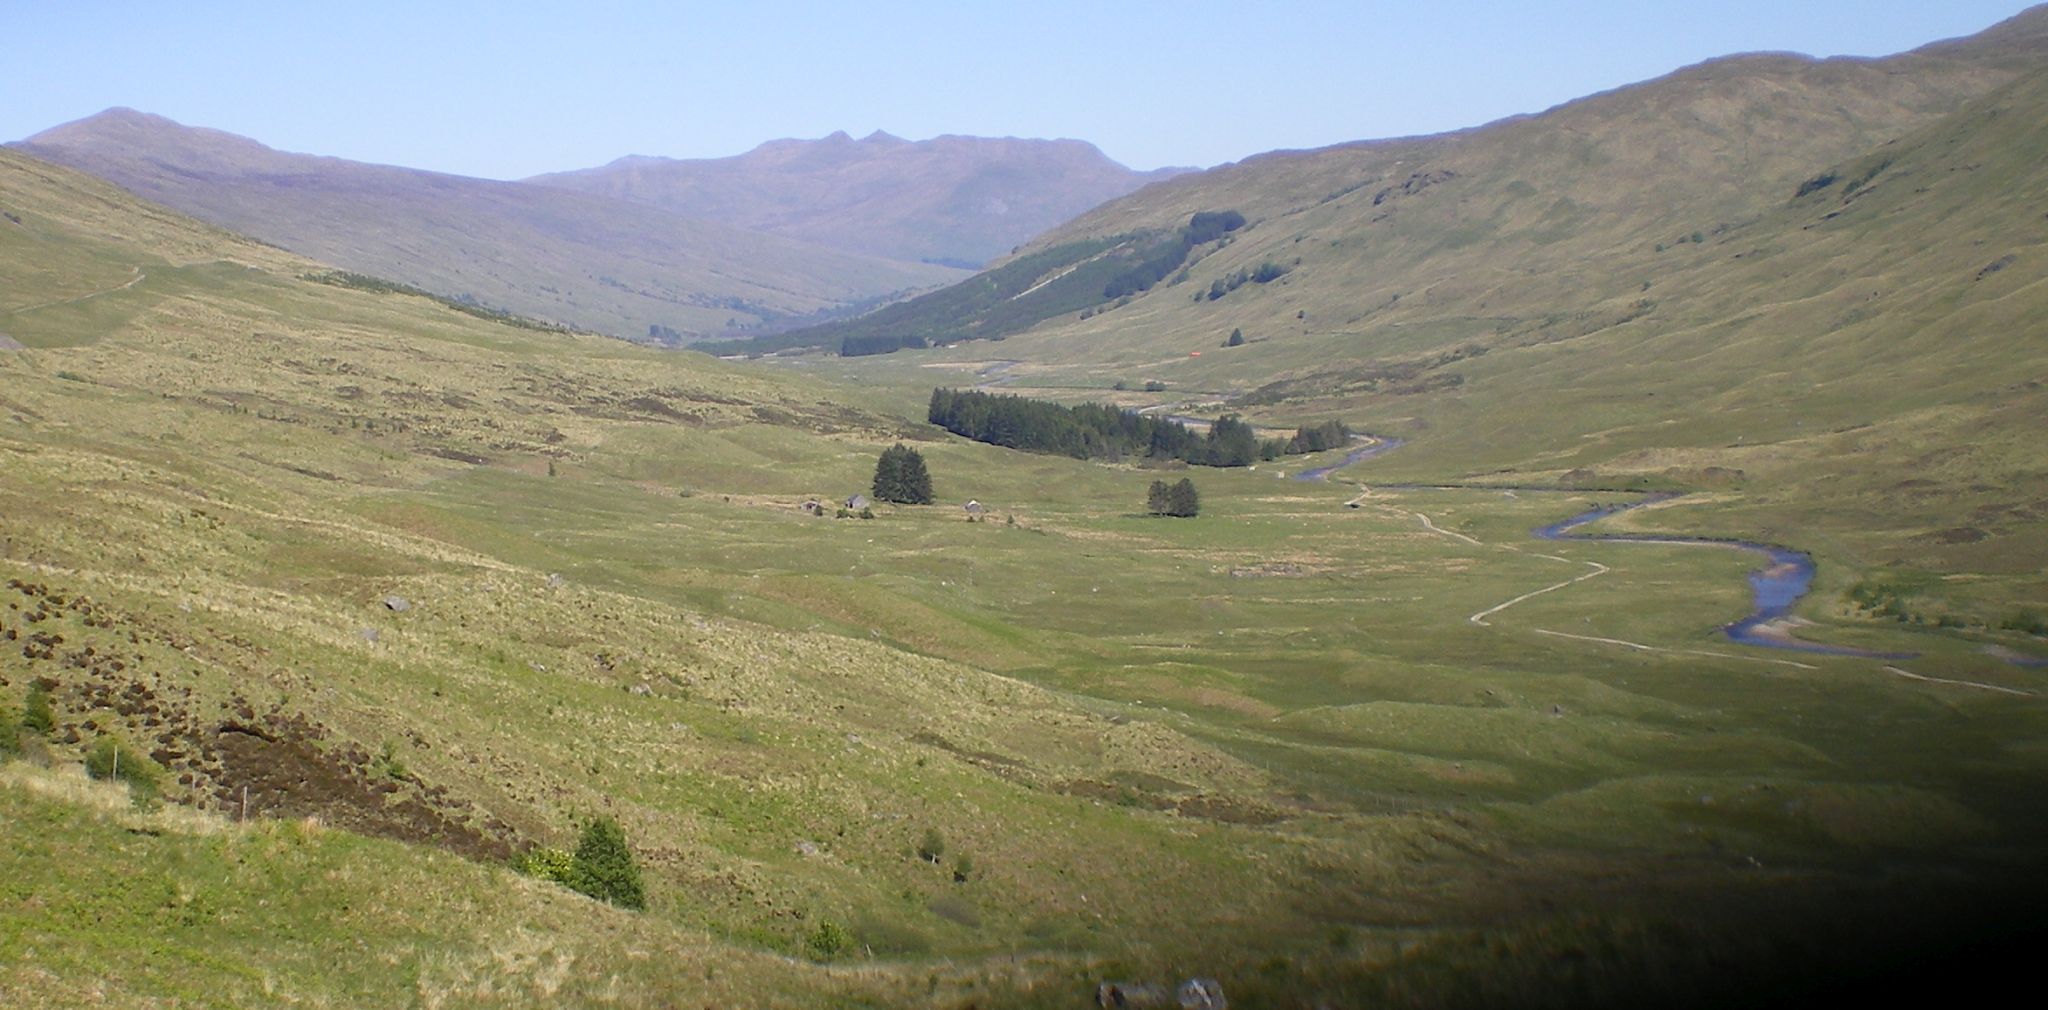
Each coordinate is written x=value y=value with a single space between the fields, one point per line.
x=952 y=199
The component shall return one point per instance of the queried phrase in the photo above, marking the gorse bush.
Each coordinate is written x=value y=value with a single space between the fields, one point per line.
x=546 y=863
x=828 y=941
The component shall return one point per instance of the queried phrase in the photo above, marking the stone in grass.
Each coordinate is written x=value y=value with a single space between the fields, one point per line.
x=1202 y=994
x=397 y=604
x=556 y=581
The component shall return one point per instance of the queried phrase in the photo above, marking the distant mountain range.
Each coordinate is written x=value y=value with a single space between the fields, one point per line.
x=793 y=230
x=953 y=200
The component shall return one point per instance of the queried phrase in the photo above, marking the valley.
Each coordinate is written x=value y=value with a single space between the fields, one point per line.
x=383 y=595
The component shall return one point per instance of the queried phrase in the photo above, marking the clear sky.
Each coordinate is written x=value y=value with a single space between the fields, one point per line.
x=510 y=89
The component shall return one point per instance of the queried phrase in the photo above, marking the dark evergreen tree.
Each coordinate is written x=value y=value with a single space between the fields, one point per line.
x=1158 y=499
x=1236 y=339
x=603 y=866
x=901 y=477
x=1232 y=442
x=1181 y=499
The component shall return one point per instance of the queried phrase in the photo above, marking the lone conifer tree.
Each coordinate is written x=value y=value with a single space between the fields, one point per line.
x=1157 y=499
x=1177 y=499
x=603 y=866
x=900 y=476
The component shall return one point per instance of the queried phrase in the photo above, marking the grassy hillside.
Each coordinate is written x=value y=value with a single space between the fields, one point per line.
x=421 y=590
x=1393 y=248
x=597 y=263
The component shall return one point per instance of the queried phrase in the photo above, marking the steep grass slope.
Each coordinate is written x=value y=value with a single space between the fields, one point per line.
x=1401 y=246
x=597 y=263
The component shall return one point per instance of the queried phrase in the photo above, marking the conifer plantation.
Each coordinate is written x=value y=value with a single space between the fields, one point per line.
x=1104 y=431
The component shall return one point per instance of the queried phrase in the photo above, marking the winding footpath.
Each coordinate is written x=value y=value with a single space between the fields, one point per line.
x=75 y=299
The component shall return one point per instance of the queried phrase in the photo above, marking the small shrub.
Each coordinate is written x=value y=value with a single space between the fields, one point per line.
x=932 y=846
x=37 y=716
x=603 y=866
x=111 y=759
x=2031 y=623
x=546 y=863
x=10 y=733
x=391 y=765
x=828 y=941
x=963 y=867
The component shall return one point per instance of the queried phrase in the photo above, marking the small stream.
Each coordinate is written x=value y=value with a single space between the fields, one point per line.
x=1775 y=588
x=1375 y=445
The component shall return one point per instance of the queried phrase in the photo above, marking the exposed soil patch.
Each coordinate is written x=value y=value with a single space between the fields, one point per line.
x=287 y=774
x=101 y=682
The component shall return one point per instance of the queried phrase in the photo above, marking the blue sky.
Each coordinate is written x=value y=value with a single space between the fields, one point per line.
x=505 y=90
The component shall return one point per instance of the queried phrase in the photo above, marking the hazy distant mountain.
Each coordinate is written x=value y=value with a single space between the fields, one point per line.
x=961 y=200
x=583 y=259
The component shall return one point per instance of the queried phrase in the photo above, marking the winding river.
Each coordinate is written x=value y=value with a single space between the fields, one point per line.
x=1376 y=445
x=1776 y=588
